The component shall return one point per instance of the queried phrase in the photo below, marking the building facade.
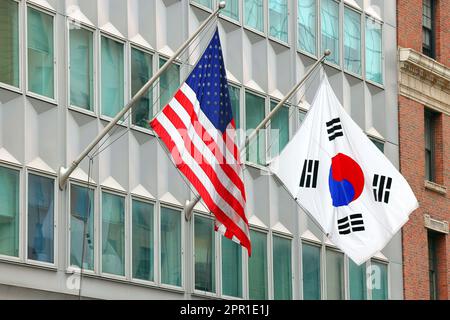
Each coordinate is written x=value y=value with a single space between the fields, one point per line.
x=67 y=67
x=423 y=30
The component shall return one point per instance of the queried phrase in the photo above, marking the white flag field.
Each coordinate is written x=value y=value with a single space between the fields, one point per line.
x=343 y=181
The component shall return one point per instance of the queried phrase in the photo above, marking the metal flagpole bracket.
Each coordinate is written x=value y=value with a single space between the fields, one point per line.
x=189 y=206
x=64 y=173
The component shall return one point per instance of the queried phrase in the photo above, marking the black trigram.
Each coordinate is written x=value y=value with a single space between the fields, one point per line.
x=334 y=129
x=352 y=223
x=309 y=174
x=381 y=188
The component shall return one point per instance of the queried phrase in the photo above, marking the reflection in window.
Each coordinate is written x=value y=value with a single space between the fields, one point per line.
x=170 y=247
x=231 y=268
x=329 y=15
x=307 y=26
x=380 y=285
x=373 y=51
x=9 y=212
x=40 y=218
x=141 y=72
x=112 y=77
x=278 y=19
x=282 y=268
x=232 y=9
x=352 y=41
x=279 y=125
x=82 y=227
x=168 y=83
x=254 y=114
x=9 y=39
x=357 y=275
x=143 y=240
x=335 y=275
x=206 y=3
x=311 y=272
x=113 y=234
x=254 y=14
x=257 y=267
x=81 y=68
x=40 y=53
x=205 y=274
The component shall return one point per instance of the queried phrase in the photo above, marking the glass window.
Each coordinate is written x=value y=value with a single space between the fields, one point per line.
x=433 y=264
x=232 y=9
x=9 y=38
x=81 y=68
x=311 y=272
x=112 y=77
x=231 y=268
x=9 y=212
x=379 y=144
x=357 y=280
x=113 y=234
x=143 y=240
x=141 y=72
x=429 y=146
x=169 y=82
x=374 y=69
x=257 y=267
x=205 y=268
x=352 y=41
x=380 y=286
x=41 y=195
x=307 y=26
x=82 y=227
x=301 y=116
x=278 y=19
x=282 y=268
x=335 y=275
x=254 y=114
x=235 y=97
x=279 y=125
x=428 y=36
x=40 y=53
x=205 y=3
x=170 y=247
x=329 y=14
x=254 y=14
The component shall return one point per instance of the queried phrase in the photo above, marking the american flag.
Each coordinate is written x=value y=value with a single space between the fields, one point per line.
x=198 y=128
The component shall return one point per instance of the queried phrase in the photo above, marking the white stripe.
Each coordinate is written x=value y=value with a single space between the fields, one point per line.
x=200 y=174
x=206 y=152
x=209 y=127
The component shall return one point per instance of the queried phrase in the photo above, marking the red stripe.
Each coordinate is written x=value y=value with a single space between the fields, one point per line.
x=203 y=163
x=230 y=171
x=186 y=170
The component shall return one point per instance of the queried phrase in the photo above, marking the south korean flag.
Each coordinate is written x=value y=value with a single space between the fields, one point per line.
x=341 y=178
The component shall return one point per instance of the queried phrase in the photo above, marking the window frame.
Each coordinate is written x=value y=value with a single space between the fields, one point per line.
x=124 y=43
x=158 y=57
x=218 y=276
x=321 y=50
x=317 y=26
x=362 y=44
x=93 y=187
x=269 y=143
x=344 y=271
x=244 y=126
x=244 y=262
x=286 y=43
x=23 y=230
x=104 y=189
x=154 y=101
x=347 y=262
x=53 y=177
x=20 y=48
x=269 y=266
x=386 y=263
x=320 y=246
x=178 y=208
x=263 y=32
x=29 y=93
x=284 y=236
x=430 y=115
x=432 y=30
x=134 y=280
x=364 y=59
x=95 y=68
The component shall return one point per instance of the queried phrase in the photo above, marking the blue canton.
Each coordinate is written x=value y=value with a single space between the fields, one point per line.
x=209 y=82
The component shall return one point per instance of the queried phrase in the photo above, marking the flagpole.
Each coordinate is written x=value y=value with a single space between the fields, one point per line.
x=64 y=173
x=189 y=206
